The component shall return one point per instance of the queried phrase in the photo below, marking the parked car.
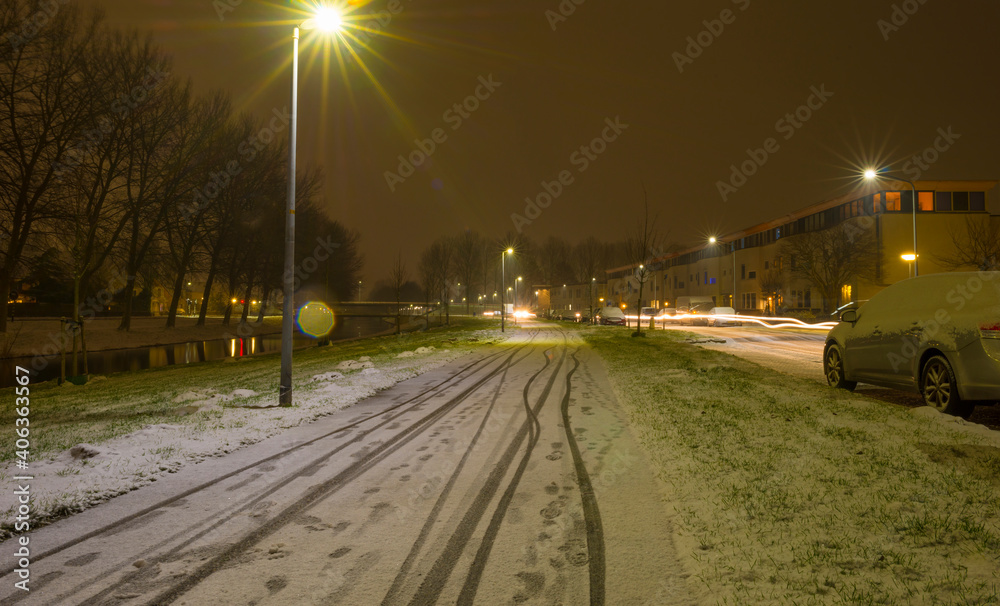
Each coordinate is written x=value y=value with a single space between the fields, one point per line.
x=611 y=315
x=698 y=314
x=667 y=313
x=648 y=312
x=714 y=320
x=563 y=315
x=937 y=335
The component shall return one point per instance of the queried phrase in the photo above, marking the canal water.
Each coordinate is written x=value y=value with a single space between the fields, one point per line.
x=46 y=368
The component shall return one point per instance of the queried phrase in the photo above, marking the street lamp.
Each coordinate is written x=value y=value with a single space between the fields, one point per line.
x=503 y=283
x=519 y=278
x=911 y=259
x=871 y=175
x=327 y=20
x=591 y=299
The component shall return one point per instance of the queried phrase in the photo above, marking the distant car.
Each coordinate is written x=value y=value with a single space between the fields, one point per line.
x=715 y=320
x=667 y=313
x=937 y=335
x=648 y=312
x=612 y=316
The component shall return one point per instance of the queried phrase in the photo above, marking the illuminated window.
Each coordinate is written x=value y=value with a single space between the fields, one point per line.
x=893 y=202
x=877 y=202
x=846 y=293
x=926 y=199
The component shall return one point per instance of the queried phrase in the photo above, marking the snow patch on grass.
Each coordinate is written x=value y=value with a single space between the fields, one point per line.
x=92 y=444
x=785 y=491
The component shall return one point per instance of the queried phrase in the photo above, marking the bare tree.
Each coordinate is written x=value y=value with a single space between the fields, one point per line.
x=977 y=247
x=468 y=248
x=428 y=274
x=771 y=282
x=398 y=279
x=831 y=258
x=44 y=111
x=640 y=246
x=183 y=226
x=166 y=145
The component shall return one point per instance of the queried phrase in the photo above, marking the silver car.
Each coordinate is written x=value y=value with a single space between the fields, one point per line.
x=937 y=335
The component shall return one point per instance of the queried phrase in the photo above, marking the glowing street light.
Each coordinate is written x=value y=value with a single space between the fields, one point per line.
x=909 y=258
x=519 y=278
x=328 y=20
x=503 y=281
x=871 y=175
x=714 y=240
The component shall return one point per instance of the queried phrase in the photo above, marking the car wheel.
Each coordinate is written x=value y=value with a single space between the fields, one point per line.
x=833 y=368
x=940 y=388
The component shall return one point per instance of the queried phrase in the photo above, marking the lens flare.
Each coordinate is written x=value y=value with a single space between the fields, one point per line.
x=315 y=319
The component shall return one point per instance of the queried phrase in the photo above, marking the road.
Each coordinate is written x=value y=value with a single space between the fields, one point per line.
x=509 y=477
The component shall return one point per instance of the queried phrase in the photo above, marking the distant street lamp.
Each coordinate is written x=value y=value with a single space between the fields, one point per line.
x=519 y=278
x=871 y=175
x=330 y=21
x=503 y=282
x=591 y=299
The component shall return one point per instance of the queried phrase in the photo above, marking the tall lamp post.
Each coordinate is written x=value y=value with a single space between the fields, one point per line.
x=871 y=175
x=503 y=285
x=714 y=240
x=327 y=20
x=519 y=278
x=591 y=300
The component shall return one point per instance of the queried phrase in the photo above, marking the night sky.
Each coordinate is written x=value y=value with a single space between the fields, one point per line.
x=887 y=81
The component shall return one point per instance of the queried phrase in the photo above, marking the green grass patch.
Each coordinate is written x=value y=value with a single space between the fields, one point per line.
x=786 y=491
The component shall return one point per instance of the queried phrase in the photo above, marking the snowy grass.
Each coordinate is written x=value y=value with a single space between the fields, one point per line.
x=130 y=428
x=789 y=492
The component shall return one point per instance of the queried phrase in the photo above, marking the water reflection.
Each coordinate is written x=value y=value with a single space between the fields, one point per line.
x=106 y=362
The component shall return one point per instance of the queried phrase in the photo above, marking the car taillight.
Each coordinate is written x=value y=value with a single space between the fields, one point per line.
x=990 y=331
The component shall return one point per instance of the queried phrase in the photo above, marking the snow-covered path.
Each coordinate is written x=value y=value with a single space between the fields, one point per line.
x=508 y=477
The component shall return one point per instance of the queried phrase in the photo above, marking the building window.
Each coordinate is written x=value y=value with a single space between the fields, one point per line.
x=893 y=201
x=977 y=201
x=877 y=202
x=743 y=272
x=942 y=201
x=926 y=199
x=960 y=200
x=706 y=277
x=753 y=275
x=808 y=298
